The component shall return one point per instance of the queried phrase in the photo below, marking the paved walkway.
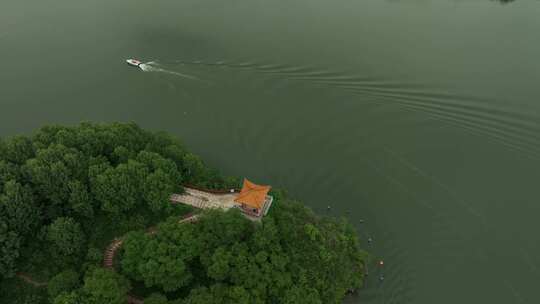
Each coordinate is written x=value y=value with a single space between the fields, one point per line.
x=193 y=197
x=108 y=257
x=110 y=252
x=25 y=277
x=208 y=200
x=133 y=300
x=205 y=200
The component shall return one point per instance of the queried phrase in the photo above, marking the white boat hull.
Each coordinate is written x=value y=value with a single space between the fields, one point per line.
x=134 y=62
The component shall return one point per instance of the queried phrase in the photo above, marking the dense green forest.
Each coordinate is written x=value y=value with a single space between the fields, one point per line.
x=67 y=192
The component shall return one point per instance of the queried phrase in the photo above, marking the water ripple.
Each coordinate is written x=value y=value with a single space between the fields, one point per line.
x=518 y=131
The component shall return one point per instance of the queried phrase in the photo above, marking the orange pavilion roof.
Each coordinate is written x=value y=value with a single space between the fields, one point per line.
x=252 y=194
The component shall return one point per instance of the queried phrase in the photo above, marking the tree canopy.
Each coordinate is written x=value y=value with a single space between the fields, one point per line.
x=64 y=282
x=65 y=236
x=105 y=286
x=66 y=192
x=293 y=256
x=9 y=250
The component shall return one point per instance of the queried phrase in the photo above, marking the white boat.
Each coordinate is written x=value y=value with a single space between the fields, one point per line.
x=134 y=62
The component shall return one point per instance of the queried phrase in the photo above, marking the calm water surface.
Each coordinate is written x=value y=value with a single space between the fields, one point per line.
x=420 y=117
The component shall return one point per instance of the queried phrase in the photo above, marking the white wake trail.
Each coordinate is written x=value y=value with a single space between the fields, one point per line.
x=150 y=67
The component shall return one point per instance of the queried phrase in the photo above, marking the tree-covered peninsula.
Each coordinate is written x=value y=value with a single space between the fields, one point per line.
x=68 y=193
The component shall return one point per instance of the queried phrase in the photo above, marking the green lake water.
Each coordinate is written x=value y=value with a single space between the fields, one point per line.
x=418 y=120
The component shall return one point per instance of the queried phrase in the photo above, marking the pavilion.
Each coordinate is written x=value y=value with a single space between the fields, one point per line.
x=253 y=199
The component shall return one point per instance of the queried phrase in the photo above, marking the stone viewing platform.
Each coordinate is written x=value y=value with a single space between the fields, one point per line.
x=205 y=200
x=253 y=200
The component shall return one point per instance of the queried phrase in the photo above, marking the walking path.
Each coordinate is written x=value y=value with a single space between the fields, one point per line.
x=193 y=197
x=108 y=257
x=211 y=199
x=25 y=277
x=205 y=200
x=110 y=252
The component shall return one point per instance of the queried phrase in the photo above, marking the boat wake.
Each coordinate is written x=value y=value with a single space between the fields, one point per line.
x=491 y=119
x=155 y=67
